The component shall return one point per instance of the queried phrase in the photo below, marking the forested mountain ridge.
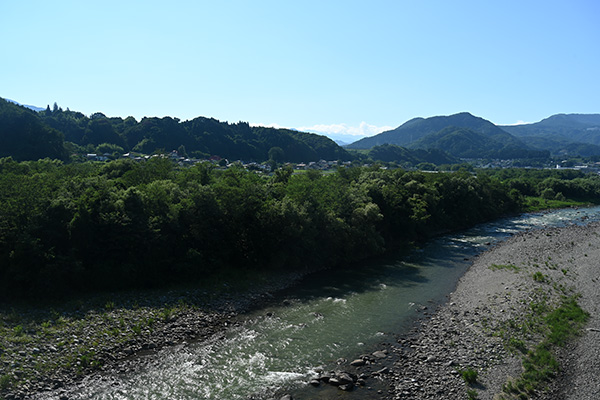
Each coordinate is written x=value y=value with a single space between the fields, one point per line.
x=561 y=132
x=468 y=143
x=460 y=135
x=464 y=135
x=200 y=137
x=417 y=128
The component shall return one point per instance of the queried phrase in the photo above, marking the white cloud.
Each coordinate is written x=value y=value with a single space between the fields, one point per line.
x=519 y=122
x=342 y=133
x=357 y=132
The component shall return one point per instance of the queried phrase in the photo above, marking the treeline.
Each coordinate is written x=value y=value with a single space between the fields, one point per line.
x=24 y=136
x=71 y=228
x=551 y=184
x=57 y=133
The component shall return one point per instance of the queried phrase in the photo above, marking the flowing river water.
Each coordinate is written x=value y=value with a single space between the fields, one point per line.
x=329 y=316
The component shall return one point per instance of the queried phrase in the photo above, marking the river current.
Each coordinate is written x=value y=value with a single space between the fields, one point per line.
x=329 y=316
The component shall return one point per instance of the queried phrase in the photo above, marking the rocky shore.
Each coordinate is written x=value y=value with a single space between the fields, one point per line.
x=45 y=350
x=475 y=344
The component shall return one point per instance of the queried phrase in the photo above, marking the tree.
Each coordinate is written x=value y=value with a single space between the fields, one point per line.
x=276 y=154
x=181 y=151
x=282 y=175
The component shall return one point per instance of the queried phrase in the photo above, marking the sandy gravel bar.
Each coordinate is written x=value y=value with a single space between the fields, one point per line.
x=491 y=304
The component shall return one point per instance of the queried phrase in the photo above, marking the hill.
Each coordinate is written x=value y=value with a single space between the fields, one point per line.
x=393 y=153
x=24 y=136
x=468 y=143
x=417 y=128
x=561 y=133
x=461 y=135
x=559 y=146
x=199 y=137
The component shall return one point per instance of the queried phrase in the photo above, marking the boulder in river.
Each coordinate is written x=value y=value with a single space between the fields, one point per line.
x=345 y=378
x=380 y=354
x=358 y=362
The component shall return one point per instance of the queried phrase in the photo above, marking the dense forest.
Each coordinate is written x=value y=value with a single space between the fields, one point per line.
x=69 y=228
x=57 y=133
x=24 y=136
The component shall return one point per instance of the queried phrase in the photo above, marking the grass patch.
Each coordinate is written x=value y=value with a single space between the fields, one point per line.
x=517 y=344
x=539 y=277
x=510 y=267
x=540 y=204
x=565 y=321
x=539 y=365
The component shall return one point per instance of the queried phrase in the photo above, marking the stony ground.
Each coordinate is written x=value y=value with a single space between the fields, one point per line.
x=46 y=348
x=488 y=322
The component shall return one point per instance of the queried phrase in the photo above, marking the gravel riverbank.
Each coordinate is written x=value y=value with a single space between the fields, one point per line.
x=45 y=350
x=490 y=322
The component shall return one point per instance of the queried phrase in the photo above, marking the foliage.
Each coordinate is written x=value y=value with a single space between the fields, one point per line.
x=200 y=137
x=68 y=228
x=24 y=136
x=390 y=152
x=469 y=375
x=28 y=135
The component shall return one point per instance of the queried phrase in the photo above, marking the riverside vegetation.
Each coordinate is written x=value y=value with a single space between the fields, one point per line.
x=71 y=229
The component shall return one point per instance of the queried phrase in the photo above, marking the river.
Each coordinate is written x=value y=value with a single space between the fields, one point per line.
x=329 y=316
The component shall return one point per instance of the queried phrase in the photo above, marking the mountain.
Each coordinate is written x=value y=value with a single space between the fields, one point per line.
x=393 y=153
x=460 y=135
x=24 y=136
x=468 y=143
x=567 y=129
x=416 y=128
x=559 y=146
x=34 y=108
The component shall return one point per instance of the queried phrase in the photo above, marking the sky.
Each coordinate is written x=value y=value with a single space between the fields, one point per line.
x=343 y=68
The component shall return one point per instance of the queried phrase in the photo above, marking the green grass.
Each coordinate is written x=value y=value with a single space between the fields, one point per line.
x=565 y=320
x=5 y=382
x=539 y=204
x=539 y=277
x=539 y=364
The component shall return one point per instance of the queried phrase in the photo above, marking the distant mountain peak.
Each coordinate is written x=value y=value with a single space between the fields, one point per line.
x=34 y=108
x=417 y=128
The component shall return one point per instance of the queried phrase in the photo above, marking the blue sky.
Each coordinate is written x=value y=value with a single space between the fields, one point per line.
x=351 y=67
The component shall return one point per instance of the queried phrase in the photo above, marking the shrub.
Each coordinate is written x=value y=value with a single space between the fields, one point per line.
x=469 y=375
x=539 y=277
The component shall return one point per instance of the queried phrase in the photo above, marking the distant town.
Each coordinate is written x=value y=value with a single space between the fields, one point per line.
x=326 y=165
